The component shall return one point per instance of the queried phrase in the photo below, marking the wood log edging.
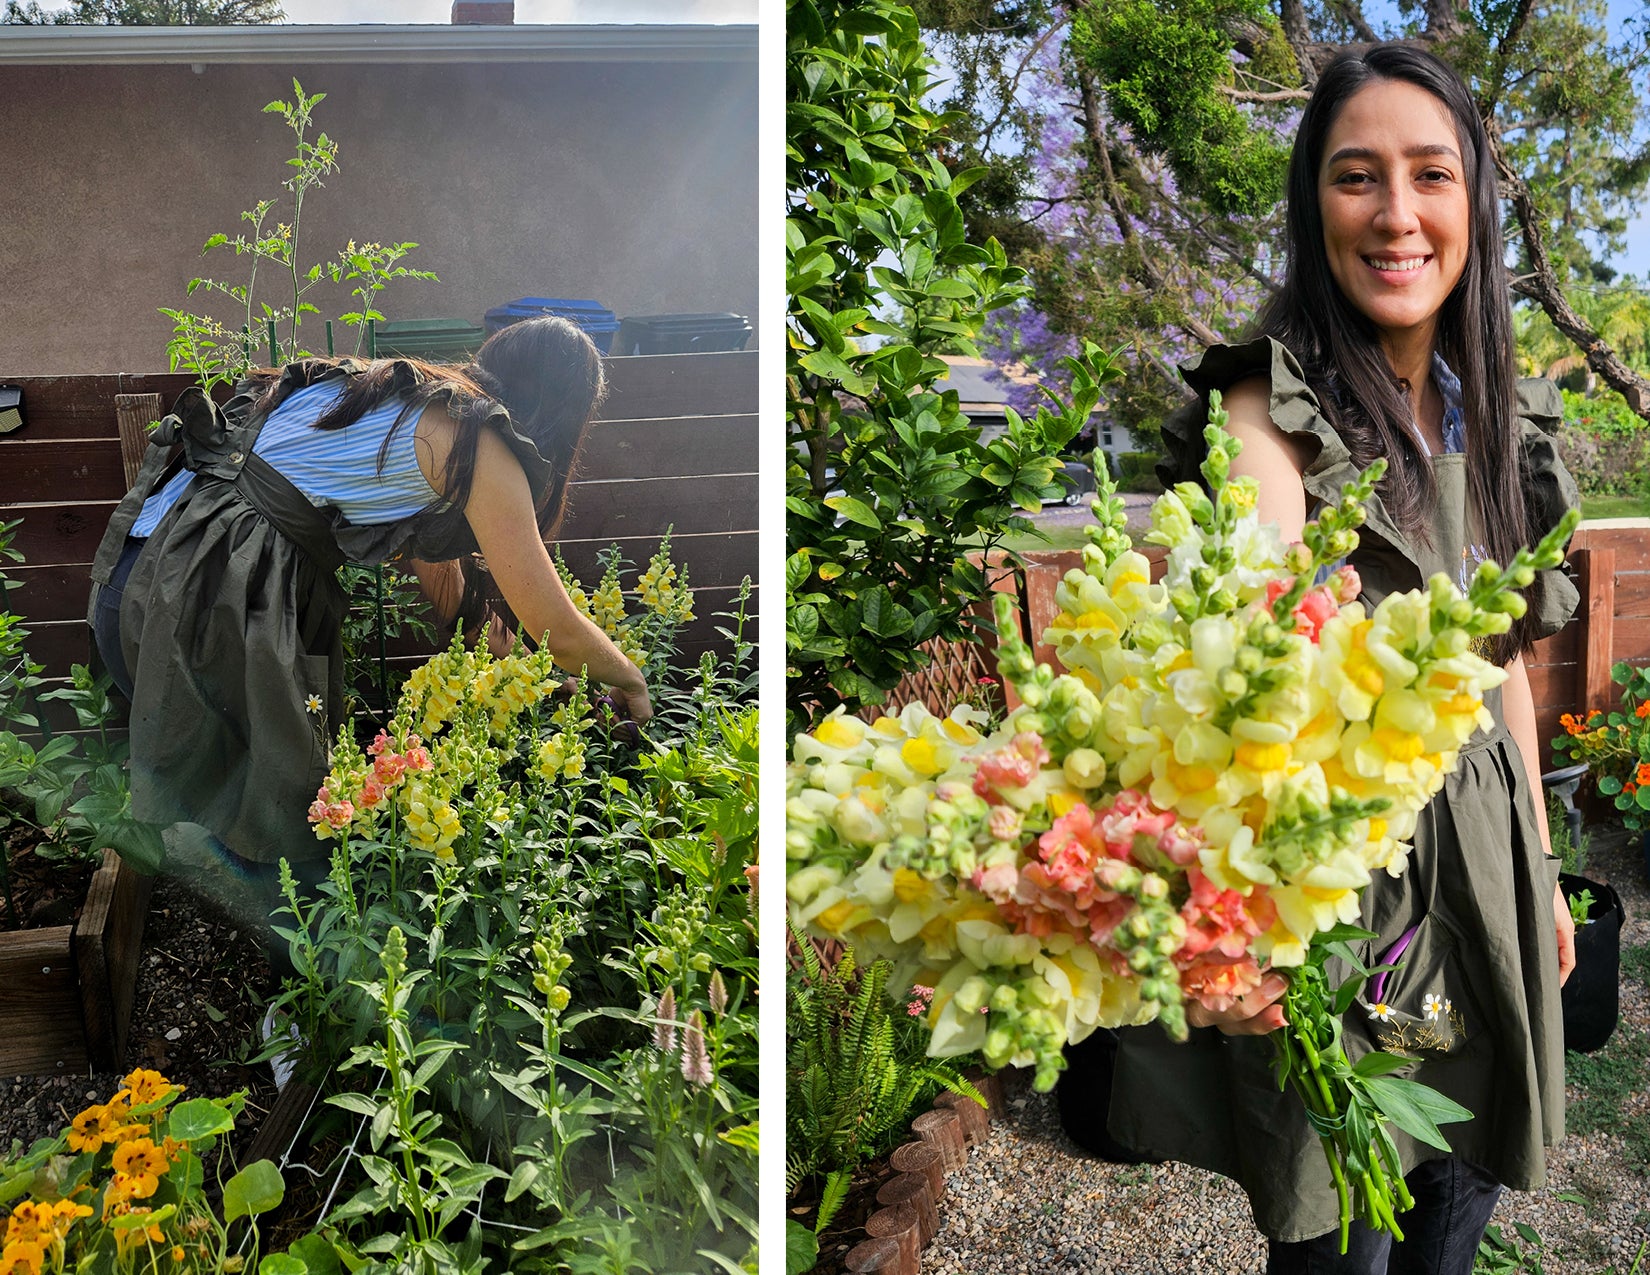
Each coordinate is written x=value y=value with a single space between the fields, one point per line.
x=909 y=1217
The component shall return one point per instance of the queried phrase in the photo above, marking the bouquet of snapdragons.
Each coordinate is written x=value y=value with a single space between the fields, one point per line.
x=1196 y=800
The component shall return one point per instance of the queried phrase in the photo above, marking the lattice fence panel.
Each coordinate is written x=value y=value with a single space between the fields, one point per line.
x=954 y=674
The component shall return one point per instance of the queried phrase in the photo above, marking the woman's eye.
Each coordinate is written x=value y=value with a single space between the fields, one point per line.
x=1437 y=175
x=1353 y=179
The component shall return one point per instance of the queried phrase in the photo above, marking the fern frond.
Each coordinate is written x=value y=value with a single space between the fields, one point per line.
x=831 y=1198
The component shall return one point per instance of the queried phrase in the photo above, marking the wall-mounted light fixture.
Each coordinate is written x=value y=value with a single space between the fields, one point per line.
x=11 y=407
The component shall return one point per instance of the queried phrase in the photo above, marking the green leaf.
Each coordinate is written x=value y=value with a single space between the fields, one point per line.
x=139 y=844
x=283 y=1264
x=828 y=365
x=198 y=1118
x=319 y=1256
x=1415 y=1108
x=801 y=1248
x=1344 y=933
x=1378 y=1063
x=742 y=1136
x=255 y=1189
x=804 y=622
x=797 y=570
x=1609 y=785
x=855 y=511
x=1642 y=796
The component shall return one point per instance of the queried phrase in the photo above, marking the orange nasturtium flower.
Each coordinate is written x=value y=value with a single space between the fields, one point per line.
x=89 y=1130
x=1644 y=773
x=21 y=1258
x=129 y=1237
x=148 y=1086
x=141 y=1163
x=29 y=1223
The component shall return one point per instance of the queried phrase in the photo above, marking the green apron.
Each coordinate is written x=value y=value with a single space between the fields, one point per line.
x=231 y=619
x=1476 y=1001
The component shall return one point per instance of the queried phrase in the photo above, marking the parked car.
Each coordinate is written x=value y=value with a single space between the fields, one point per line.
x=1073 y=486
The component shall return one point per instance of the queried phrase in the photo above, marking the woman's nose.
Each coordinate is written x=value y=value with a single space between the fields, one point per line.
x=1397 y=211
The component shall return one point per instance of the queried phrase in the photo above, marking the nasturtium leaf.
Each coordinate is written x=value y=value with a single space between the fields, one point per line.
x=255 y=1189
x=198 y=1118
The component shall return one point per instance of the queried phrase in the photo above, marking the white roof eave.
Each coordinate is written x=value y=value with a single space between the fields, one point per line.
x=640 y=42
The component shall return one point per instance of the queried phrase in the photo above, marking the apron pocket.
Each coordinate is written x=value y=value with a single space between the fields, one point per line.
x=1424 y=1009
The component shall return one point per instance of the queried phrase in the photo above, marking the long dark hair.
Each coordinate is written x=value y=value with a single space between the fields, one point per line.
x=546 y=373
x=1339 y=348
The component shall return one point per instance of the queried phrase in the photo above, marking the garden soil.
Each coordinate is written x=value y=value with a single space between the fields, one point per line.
x=203 y=984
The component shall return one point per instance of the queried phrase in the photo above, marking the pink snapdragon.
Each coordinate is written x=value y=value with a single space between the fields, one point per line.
x=372 y=792
x=1321 y=603
x=1215 y=982
x=335 y=814
x=1083 y=872
x=1012 y=767
x=1221 y=921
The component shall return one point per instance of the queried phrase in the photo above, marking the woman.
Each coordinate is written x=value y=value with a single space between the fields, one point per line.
x=1391 y=336
x=214 y=599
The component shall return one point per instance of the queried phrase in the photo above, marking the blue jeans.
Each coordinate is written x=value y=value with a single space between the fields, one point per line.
x=106 y=619
x=1453 y=1204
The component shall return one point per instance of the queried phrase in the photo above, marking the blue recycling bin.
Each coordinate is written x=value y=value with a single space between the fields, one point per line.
x=596 y=320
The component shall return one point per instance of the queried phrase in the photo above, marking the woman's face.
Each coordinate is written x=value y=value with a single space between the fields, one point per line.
x=1396 y=213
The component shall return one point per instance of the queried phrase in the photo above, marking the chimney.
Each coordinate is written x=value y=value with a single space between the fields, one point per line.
x=489 y=13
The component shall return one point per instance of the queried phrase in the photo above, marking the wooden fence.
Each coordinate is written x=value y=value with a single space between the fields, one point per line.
x=1569 y=672
x=675 y=446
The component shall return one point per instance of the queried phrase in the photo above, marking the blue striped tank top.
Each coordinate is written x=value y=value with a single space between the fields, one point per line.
x=335 y=469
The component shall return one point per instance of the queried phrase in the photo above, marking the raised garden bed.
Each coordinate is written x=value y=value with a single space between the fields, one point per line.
x=69 y=988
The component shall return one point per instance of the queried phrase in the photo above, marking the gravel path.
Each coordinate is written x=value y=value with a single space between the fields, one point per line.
x=1031 y=1202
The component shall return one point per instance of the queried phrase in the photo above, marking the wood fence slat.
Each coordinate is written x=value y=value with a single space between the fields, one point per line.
x=134 y=413
x=711 y=559
x=1632 y=590
x=646 y=506
x=1597 y=585
x=52 y=534
x=56 y=407
x=695 y=445
x=46 y=594
x=649 y=385
x=55 y=469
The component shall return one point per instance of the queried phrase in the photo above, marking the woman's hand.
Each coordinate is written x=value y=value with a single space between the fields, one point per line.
x=1253 y=1014
x=1566 y=935
x=633 y=702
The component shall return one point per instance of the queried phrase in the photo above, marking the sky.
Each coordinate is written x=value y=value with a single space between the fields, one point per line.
x=330 y=12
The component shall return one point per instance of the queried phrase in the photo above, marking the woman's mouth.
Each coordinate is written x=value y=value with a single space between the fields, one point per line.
x=1396 y=266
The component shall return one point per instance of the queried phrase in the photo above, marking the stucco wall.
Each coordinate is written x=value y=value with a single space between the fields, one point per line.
x=634 y=184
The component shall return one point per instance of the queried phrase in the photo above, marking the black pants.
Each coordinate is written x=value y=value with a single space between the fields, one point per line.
x=1453 y=1204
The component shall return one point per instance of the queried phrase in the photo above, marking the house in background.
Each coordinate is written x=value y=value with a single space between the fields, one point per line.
x=609 y=162
x=982 y=398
